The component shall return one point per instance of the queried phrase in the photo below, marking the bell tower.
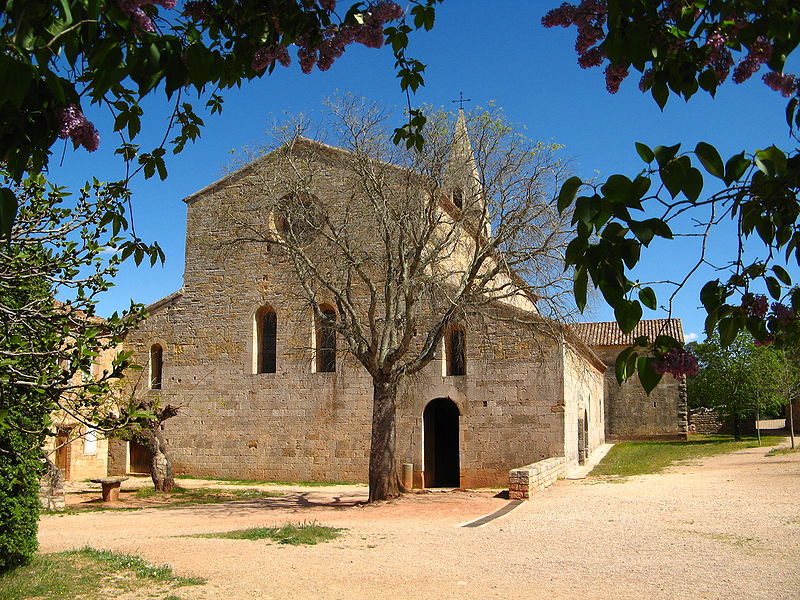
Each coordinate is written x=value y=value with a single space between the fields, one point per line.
x=462 y=178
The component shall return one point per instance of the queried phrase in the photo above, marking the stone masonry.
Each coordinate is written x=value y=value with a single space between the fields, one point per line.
x=524 y=481
x=629 y=412
x=518 y=402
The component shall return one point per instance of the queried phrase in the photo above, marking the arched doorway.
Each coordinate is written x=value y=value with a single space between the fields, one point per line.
x=440 y=432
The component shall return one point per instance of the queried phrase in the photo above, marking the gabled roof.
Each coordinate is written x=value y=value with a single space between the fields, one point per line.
x=298 y=141
x=608 y=333
x=158 y=304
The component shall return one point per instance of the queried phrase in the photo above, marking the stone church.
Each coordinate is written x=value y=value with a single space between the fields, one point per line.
x=266 y=392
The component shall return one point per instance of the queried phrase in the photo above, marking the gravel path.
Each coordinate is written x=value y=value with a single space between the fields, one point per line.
x=728 y=527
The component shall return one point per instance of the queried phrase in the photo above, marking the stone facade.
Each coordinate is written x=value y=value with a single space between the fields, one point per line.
x=524 y=396
x=629 y=412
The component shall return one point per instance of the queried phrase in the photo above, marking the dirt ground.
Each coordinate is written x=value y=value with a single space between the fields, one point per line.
x=726 y=527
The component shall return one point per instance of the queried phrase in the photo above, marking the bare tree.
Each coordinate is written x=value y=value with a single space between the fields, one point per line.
x=413 y=240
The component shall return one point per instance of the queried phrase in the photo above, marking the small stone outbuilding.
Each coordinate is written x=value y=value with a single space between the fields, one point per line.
x=629 y=412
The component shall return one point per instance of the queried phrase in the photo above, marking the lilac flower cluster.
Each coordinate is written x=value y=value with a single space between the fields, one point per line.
x=614 y=77
x=759 y=53
x=336 y=38
x=677 y=361
x=329 y=5
x=785 y=83
x=267 y=55
x=782 y=313
x=589 y=17
x=74 y=125
x=140 y=21
x=197 y=9
x=719 y=58
x=755 y=305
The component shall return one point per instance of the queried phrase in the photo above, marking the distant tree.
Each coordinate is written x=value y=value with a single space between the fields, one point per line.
x=740 y=380
x=426 y=239
x=681 y=47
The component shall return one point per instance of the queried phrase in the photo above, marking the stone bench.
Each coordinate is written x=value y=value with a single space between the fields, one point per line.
x=534 y=477
x=110 y=487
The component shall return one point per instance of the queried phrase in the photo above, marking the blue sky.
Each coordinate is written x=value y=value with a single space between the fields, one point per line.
x=489 y=50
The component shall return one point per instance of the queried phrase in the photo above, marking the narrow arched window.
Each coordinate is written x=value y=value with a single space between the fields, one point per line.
x=326 y=341
x=455 y=348
x=458 y=197
x=266 y=329
x=156 y=366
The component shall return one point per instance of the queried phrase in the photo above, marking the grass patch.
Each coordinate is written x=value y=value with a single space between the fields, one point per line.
x=88 y=573
x=782 y=451
x=292 y=534
x=186 y=496
x=283 y=483
x=639 y=458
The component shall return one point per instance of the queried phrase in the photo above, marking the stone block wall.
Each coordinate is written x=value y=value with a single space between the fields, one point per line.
x=298 y=424
x=631 y=414
x=584 y=418
x=524 y=481
x=705 y=420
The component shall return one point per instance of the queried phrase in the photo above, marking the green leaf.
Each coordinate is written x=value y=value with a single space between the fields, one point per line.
x=728 y=329
x=648 y=297
x=773 y=287
x=711 y=159
x=710 y=296
x=621 y=365
x=647 y=374
x=567 y=194
x=693 y=184
x=8 y=211
x=664 y=154
x=580 y=284
x=628 y=313
x=736 y=167
x=617 y=188
x=781 y=274
x=645 y=153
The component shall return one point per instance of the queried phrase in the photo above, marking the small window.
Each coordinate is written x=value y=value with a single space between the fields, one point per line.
x=326 y=341
x=266 y=328
x=90 y=442
x=156 y=366
x=458 y=197
x=455 y=349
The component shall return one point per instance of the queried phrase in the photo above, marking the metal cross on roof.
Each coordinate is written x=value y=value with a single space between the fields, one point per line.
x=461 y=100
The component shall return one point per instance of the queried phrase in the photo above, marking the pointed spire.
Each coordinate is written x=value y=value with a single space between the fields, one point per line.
x=462 y=178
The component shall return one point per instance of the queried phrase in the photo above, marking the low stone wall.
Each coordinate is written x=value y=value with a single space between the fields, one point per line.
x=705 y=420
x=535 y=477
x=51 y=488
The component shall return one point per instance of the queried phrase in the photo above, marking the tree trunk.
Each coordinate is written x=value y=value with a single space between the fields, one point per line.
x=737 y=428
x=384 y=481
x=160 y=465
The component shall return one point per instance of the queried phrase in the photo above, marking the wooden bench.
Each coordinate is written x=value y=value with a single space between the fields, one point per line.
x=110 y=486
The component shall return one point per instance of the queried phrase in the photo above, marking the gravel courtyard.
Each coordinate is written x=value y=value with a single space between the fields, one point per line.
x=726 y=527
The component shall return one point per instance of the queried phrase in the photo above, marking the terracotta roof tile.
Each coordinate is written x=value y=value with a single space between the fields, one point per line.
x=608 y=333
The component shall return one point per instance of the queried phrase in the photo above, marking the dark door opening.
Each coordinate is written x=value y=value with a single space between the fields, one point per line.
x=440 y=431
x=63 y=452
x=140 y=458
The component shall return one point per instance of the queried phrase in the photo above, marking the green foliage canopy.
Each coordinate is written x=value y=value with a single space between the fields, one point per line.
x=739 y=379
x=60 y=55
x=681 y=48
